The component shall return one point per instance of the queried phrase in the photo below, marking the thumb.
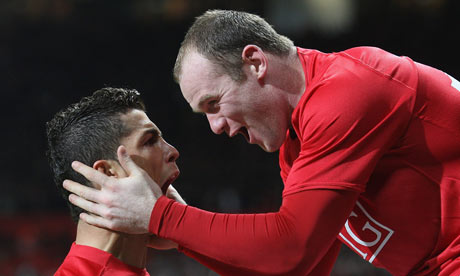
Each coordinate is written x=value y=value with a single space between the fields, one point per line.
x=126 y=162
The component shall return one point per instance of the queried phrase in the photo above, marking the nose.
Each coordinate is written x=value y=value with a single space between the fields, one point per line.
x=172 y=153
x=216 y=123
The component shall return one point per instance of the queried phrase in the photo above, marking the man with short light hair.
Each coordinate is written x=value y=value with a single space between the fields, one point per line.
x=368 y=148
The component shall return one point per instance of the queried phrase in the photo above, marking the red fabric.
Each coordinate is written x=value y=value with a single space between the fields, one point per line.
x=86 y=260
x=368 y=123
x=289 y=242
x=380 y=124
x=323 y=268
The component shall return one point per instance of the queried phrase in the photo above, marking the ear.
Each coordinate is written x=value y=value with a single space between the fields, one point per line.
x=109 y=168
x=256 y=59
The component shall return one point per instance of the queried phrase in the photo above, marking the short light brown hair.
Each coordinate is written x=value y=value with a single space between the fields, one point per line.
x=221 y=35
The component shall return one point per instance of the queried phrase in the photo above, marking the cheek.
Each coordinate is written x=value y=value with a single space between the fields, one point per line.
x=150 y=161
x=140 y=161
x=155 y=164
x=241 y=112
x=271 y=127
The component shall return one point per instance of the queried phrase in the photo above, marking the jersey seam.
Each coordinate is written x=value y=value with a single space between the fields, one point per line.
x=375 y=70
x=326 y=186
x=382 y=74
x=427 y=120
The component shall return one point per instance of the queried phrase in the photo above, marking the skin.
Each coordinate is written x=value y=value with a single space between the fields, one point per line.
x=156 y=157
x=149 y=150
x=259 y=107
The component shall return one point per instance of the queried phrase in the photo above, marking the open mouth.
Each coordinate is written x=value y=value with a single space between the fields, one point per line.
x=245 y=133
x=168 y=182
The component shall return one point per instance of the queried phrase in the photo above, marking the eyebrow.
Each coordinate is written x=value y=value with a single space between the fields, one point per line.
x=203 y=99
x=153 y=131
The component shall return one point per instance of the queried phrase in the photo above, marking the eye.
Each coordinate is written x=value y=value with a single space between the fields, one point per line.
x=213 y=105
x=151 y=141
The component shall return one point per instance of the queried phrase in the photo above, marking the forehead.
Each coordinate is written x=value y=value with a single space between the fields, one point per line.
x=199 y=78
x=136 y=120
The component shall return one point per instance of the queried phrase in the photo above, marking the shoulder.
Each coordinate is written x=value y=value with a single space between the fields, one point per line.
x=83 y=259
x=342 y=100
x=400 y=69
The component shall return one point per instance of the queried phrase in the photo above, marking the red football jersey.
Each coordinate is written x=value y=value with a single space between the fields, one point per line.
x=388 y=127
x=369 y=124
x=86 y=260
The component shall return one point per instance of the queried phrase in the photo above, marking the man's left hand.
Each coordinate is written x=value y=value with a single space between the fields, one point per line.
x=122 y=204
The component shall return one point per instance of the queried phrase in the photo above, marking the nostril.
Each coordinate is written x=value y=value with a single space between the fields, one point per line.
x=173 y=156
x=217 y=124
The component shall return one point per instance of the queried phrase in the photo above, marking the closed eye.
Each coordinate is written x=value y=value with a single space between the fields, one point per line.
x=151 y=136
x=208 y=103
x=212 y=106
x=151 y=141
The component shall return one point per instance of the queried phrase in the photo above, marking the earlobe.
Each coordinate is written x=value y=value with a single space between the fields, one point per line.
x=255 y=57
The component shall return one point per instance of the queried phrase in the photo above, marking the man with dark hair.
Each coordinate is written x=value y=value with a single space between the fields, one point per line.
x=91 y=131
x=368 y=148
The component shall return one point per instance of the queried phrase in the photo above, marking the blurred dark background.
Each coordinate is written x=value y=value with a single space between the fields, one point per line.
x=53 y=52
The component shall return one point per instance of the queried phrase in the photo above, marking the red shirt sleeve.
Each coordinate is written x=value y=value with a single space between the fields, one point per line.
x=323 y=268
x=291 y=241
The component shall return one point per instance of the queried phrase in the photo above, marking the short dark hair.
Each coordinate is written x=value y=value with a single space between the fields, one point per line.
x=88 y=131
x=221 y=35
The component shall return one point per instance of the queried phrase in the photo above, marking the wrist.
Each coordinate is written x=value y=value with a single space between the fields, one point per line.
x=157 y=213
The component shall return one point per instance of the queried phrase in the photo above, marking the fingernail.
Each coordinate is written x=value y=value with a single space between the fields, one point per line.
x=74 y=164
x=65 y=183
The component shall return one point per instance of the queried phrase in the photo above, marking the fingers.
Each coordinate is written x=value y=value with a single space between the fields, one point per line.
x=173 y=194
x=161 y=244
x=126 y=162
x=82 y=190
x=87 y=205
x=89 y=173
x=95 y=220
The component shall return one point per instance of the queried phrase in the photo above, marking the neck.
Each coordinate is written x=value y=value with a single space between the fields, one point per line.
x=297 y=78
x=286 y=76
x=130 y=249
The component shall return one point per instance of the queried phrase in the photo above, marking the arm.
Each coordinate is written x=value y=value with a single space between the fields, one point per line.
x=292 y=240
x=323 y=268
x=164 y=244
x=289 y=242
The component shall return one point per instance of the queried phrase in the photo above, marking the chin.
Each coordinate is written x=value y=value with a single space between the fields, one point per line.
x=268 y=148
x=270 y=141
